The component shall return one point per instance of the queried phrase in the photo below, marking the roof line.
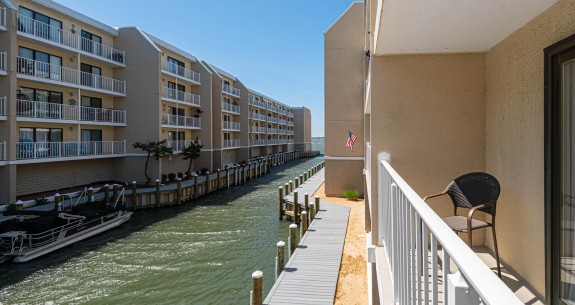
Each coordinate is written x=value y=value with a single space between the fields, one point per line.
x=341 y=16
x=172 y=48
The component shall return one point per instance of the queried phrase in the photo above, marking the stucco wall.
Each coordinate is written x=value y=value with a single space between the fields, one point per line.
x=514 y=153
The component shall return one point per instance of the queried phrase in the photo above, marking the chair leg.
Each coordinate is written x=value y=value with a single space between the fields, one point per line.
x=496 y=250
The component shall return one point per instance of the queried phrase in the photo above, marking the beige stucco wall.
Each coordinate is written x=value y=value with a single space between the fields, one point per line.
x=344 y=71
x=514 y=152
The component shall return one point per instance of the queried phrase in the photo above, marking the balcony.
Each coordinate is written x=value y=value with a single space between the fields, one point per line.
x=256 y=129
x=3 y=63
x=180 y=97
x=231 y=126
x=258 y=103
x=282 y=122
x=56 y=37
x=290 y=123
x=227 y=107
x=272 y=119
x=419 y=254
x=259 y=142
x=180 y=121
x=32 y=111
x=57 y=75
x=3 y=108
x=182 y=73
x=273 y=142
x=229 y=90
x=259 y=117
x=177 y=146
x=69 y=150
x=272 y=131
x=290 y=132
x=3 y=151
x=272 y=108
x=2 y=19
x=290 y=115
x=234 y=143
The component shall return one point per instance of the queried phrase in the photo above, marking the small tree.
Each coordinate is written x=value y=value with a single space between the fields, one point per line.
x=192 y=152
x=156 y=149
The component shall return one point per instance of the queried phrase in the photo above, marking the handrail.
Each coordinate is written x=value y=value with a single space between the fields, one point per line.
x=45 y=110
x=181 y=96
x=183 y=72
x=231 y=90
x=180 y=120
x=82 y=194
x=405 y=219
x=43 y=150
x=230 y=107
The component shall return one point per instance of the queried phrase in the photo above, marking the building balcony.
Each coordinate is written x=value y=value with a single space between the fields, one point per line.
x=259 y=142
x=290 y=123
x=291 y=115
x=258 y=103
x=282 y=122
x=259 y=117
x=3 y=63
x=230 y=108
x=272 y=119
x=3 y=102
x=32 y=111
x=180 y=121
x=231 y=126
x=418 y=254
x=233 y=143
x=256 y=129
x=272 y=131
x=182 y=73
x=180 y=97
x=179 y=145
x=285 y=141
x=55 y=37
x=290 y=132
x=61 y=151
x=272 y=108
x=3 y=150
x=38 y=71
x=273 y=141
x=2 y=19
x=229 y=90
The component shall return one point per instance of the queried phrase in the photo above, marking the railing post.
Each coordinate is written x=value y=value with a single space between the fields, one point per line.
x=280 y=258
x=280 y=202
x=292 y=238
x=459 y=293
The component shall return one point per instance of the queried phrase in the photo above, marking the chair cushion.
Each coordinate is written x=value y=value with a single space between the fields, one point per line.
x=459 y=223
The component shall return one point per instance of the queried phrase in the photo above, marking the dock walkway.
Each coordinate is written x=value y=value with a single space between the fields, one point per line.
x=310 y=186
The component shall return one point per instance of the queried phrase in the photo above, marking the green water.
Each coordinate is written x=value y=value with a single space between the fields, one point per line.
x=199 y=253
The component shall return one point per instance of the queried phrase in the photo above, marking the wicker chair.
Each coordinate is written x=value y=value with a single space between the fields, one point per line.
x=474 y=191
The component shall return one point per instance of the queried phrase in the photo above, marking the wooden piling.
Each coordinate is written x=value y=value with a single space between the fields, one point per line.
x=106 y=189
x=158 y=194
x=115 y=192
x=290 y=186
x=281 y=202
x=90 y=194
x=257 y=291
x=179 y=191
x=304 y=223
x=306 y=204
x=311 y=212
x=296 y=182
x=301 y=181
x=295 y=208
x=280 y=258
x=227 y=177
x=57 y=201
x=292 y=238
x=305 y=176
x=134 y=194
x=195 y=186
x=316 y=204
x=218 y=179
x=207 y=188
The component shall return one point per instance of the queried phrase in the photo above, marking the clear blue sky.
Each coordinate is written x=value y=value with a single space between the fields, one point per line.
x=274 y=47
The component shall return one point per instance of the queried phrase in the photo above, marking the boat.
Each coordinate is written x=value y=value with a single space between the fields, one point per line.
x=29 y=234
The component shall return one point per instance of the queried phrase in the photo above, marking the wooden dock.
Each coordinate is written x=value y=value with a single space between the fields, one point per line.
x=310 y=275
x=310 y=186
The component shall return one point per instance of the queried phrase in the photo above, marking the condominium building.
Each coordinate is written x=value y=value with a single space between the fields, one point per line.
x=76 y=94
x=435 y=90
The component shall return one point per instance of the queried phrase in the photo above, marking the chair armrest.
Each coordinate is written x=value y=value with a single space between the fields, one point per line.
x=473 y=210
x=433 y=196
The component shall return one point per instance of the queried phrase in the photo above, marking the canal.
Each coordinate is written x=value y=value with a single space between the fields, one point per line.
x=198 y=253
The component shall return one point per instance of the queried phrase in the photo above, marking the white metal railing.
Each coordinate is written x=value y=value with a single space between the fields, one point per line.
x=42 y=150
x=257 y=116
x=178 y=145
x=290 y=132
x=180 y=120
x=272 y=130
x=272 y=119
x=412 y=234
x=2 y=105
x=3 y=151
x=282 y=111
x=290 y=123
x=231 y=90
x=38 y=69
x=257 y=129
x=231 y=143
x=283 y=122
x=185 y=73
x=2 y=17
x=3 y=62
x=228 y=125
x=259 y=142
x=272 y=141
x=53 y=111
x=230 y=107
x=272 y=108
x=290 y=141
x=181 y=96
x=291 y=115
x=258 y=103
x=58 y=36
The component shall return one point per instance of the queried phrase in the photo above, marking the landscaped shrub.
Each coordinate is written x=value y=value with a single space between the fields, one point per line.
x=41 y=201
x=204 y=170
x=351 y=194
x=172 y=177
x=164 y=178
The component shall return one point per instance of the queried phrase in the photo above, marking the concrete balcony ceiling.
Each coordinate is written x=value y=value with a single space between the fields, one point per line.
x=449 y=26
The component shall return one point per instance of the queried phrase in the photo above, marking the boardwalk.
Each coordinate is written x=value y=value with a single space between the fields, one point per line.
x=310 y=187
x=310 y=276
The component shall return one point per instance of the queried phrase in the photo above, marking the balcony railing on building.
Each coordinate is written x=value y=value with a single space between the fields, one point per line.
x=3 y=106
x=272 y=119
x=258 y=103
x=231 y=143
x=290 y=115
x=290 y=123
x=3 y=63
x=182 y=97
x=273 y=141
x=231 y=90
x=282 y=111
x=228 y=125
x=53 y=111
x=181 y=121
x=45 y=150
x=185 y=73
x=259 y=142
x=178 y=145
x=2 y=18
x=420 y=249
x=272 y=108
x=272 y=130
x=3 y=151
x=256 y=129
x=56 y=36
x=257 y=116
x=53 y=73
x=290 y=132
x=230 y=108
x=283 y=122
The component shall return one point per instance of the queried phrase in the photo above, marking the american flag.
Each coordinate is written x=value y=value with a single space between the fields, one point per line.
x=350 y=140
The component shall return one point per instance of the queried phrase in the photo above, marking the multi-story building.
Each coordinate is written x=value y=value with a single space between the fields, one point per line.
x=76 y=94
x=301 y=122
x=437 y=90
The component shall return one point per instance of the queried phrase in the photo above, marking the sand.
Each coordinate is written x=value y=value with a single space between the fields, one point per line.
x=352 y=281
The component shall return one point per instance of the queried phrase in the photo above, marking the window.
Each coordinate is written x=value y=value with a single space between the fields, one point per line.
x=52 y=32
x=176 y=136
x=39 y=64
x=41 y=95
x=91 y=113
x=176 y=91
x=226 y=118
x=226 y=83
x=226 y=100
x=89 y=76
x=227 y=136
x=91 y=142
x=91 y=43
x=175 y=66
x=176 y=111
x=30 y=134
